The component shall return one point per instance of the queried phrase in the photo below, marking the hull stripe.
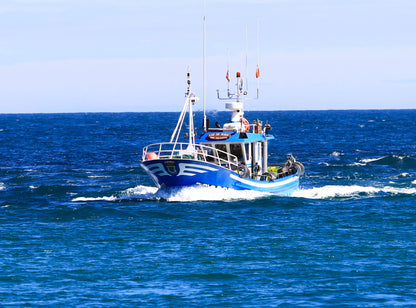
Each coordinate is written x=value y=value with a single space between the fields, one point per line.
x=262 y=185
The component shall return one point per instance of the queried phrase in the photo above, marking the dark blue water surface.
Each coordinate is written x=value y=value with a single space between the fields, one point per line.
x=82 y=224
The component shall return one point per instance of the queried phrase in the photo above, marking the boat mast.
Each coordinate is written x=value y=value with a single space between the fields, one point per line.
x=191 y=132
x=190 y=100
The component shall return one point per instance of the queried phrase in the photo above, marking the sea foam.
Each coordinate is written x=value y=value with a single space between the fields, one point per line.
x=192 y=193
x=86 y=199
x=345 y=191
x=212 y=193
x=179 y=194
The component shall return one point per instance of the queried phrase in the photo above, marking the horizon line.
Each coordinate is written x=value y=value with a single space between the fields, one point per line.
x=211 y=110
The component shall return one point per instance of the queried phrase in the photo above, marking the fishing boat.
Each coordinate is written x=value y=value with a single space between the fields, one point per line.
x=234 y=155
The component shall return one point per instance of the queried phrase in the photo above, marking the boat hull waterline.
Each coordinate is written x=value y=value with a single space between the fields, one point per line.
x=183 y=172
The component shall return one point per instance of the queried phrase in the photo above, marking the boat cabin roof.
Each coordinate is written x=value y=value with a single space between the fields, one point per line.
x=232 y=137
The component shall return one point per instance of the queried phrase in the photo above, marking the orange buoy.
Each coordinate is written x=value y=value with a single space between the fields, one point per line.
x=151 y=156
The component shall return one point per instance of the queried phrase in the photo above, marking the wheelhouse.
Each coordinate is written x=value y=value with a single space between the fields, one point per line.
x=250 y=149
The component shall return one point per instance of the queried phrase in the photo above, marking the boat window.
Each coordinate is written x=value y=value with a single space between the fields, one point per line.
x=248 y=152
x=235 y=149
x=223 y=148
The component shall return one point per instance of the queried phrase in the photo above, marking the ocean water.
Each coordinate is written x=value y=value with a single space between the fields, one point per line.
x=82 y=225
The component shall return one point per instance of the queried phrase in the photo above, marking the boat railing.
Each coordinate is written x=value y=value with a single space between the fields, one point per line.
x=253 y=127
x=171 y=150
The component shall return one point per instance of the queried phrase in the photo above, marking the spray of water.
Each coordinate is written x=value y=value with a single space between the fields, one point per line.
x=211 y=193
x=184 y=194
x=345 y=191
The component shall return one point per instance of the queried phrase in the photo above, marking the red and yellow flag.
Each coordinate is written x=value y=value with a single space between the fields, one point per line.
x=227 y=76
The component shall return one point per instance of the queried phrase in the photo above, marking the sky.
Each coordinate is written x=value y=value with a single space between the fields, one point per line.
x=133 y=55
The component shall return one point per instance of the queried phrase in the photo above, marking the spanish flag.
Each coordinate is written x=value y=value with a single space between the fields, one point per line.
x=227 y=76
x=257 y=72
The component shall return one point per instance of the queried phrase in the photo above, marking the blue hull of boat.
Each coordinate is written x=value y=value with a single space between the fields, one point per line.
x=182 y=172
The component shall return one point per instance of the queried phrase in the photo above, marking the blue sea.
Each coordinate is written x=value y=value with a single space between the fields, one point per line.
x=83 y=225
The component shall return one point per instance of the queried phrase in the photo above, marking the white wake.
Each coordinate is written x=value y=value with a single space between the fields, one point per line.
x=185 y=194
x=345 y=191
x=192 y=193
x=211 y=193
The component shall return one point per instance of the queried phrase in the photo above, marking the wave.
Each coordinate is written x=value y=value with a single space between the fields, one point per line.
x=211 y=193
x=183 y=194
x=98 y=176
x=86 y=199
x=353 y=191
x=389 y=160
x=192 y=193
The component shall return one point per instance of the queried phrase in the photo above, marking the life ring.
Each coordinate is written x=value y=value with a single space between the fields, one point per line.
x=246 y=125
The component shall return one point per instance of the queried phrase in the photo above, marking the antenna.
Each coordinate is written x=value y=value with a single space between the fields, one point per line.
x=258 y=56
x=246 y=72
x=258 y=32
x=203 y=73
x=228 y=71
x=242 y=81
